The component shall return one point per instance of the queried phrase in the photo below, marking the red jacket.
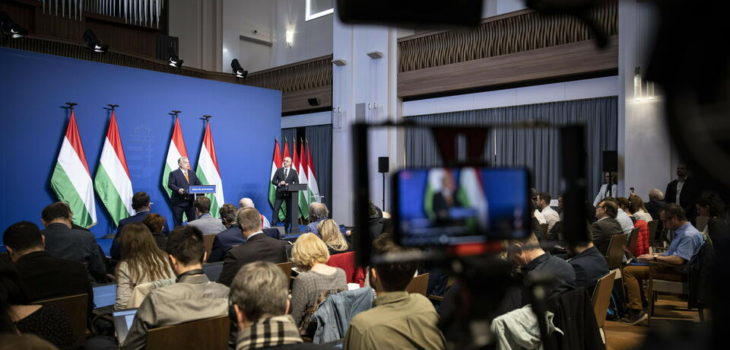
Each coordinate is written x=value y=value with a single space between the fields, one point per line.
x=642 y=242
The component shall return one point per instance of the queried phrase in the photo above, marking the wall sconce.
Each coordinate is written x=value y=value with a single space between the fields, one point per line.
x=339 y=62
x=289 y=37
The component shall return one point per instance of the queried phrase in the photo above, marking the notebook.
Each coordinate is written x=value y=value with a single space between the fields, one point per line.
x=123 y=322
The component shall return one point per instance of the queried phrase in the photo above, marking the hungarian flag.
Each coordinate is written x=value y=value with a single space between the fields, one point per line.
x=71 y=178
x=275 y=164
x=302 y=172
x=209 y=173
x=112 y=182
x=471 y=195
x=312 y=184
x=174 y=152
x=295 y=166
x=286 y=149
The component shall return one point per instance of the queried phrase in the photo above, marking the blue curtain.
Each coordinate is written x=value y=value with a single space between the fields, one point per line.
x=538 y=148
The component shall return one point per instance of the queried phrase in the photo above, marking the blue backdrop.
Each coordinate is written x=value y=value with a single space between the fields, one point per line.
x=33 y=87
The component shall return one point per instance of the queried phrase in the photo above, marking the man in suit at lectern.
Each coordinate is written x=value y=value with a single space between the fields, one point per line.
x=283 y=177
x=179 y=182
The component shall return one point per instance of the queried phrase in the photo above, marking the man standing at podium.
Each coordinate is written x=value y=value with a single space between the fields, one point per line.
x=179 y=182
x=284 y=177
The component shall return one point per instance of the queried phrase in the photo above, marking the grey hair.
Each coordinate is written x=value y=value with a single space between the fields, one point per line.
x=179 y=160
x=260 y=289
x=319 y=210
x=656 y=194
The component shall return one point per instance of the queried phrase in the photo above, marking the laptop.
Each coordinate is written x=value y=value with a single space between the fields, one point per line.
x=105 y=296
x=123 y=320
x=213 y=270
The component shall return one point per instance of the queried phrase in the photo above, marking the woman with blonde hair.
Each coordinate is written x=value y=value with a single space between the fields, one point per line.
x=142 y=262
x=315 y=280
x=332 y=237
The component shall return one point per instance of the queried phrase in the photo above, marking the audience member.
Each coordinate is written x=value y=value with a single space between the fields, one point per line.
x=625 y=206
x=622 y=217
x=683 y=191
x=606 y=226
x=535 y=223
x=331 y=234
x=142 y=206
x=711 y=207
x=192 y=298
x=258 y=246
x=260 y=307
x=531 y=258
x=538 y=215
x=603 y=192
x=398 y=320
x=248 y=203
x=66 y=243
x=229 y=238
x=157 y=223
x=46 y=276
x=656 y=203
x=587 y=262
x=685 y=245
x=551 y=216
x=639 y=209
x=315 y=280
x=206 y=223
x=642 y=240
x=376 y=223
x=318 y=212
x=142 y=262
x=18 y=317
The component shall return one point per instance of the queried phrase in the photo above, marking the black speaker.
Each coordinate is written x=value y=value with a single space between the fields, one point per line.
x=383 y=164
x=610 y=161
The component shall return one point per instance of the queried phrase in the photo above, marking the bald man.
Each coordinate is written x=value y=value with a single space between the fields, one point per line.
x=284 y=176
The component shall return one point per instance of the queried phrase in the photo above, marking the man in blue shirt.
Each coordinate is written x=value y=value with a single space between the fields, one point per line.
x=685 y=245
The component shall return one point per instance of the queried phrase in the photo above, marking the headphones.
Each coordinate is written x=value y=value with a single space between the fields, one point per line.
x=188 y=273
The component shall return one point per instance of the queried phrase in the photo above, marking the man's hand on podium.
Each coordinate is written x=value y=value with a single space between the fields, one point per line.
x=181 y=191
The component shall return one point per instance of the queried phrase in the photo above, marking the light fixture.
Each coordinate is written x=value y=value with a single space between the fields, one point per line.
x=238 y=71
x=643 y=90
x=174 y=60
x=289 y=37
x=94 y=43
x=314 y=102
x=339 y=62
x=375 y=55
x=11 y=28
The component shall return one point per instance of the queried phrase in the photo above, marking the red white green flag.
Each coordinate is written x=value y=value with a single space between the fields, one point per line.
x=174 y=152
x=275 y=164
x=112 y=181
x=302 y=172
x=312 y=179
x=209 y=172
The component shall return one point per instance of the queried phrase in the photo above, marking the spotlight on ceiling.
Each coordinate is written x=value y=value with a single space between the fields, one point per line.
x=174 y=60
x=238 y=71
x=94 y=43
x=11 y=28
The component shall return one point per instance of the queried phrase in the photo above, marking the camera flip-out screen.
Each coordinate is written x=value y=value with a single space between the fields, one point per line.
x=453 y=206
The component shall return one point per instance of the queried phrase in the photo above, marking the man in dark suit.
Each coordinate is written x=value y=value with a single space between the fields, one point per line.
x=588 y=263
x=179 y=182
x=684 y=191
x=656 y=203
x=63 y=242
x=232 y=236
x=45 y=276
x=606 y=226
x=142 y=206
x=258 y=246
x=283 y=177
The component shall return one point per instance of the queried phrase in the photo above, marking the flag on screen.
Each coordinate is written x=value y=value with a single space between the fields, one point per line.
x=209 y=172
x=275 y=165
x=71 y=178
x=471 y=195
x=302 y=172
x=311 y=177
x=112 y=181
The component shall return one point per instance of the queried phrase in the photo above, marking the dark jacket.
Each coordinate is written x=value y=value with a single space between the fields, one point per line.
x=77 y=245
x=546 y=263
x=257 y=248
x=224 y=241
x=602 y=231
x=176 y=181
x=49 y=277
x=690 y=192
x=291 y=178
x=653 y=207
x=574 y=316
x=589 y=266
x=116 y=249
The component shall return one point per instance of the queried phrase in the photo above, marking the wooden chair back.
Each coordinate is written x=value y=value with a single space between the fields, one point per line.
x=419 y=284
x=615 y=252
x=602 y=297
x=286 y=268
x=210 y=333
x=208 y=243
x=76 y=308
x=633 y=238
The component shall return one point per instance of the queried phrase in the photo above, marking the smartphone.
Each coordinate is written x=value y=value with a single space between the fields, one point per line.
x=454 y=206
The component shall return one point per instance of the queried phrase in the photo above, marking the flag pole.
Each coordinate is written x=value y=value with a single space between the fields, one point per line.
x=175 y=113
x=206 y=118
x=71 y=105
x=113 y=107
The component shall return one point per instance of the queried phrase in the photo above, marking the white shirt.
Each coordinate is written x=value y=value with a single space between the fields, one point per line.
x=603 y=193
x=642 y=215
x=540 y=218
x=551 y=217
x=625 y=221
x=680 y=185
